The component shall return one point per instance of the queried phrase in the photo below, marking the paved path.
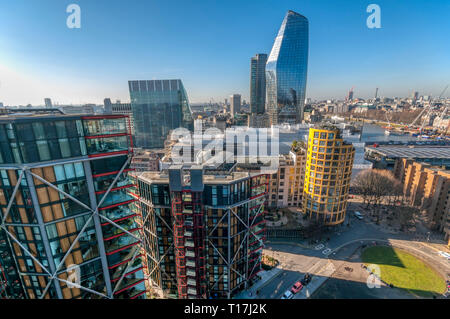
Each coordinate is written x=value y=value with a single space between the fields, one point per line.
x=322 y=260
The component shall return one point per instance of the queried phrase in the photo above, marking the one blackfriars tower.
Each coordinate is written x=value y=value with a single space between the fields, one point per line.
x=286 y=71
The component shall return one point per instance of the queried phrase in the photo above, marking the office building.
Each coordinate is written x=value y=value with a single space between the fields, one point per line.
x=327 y=178
x=66 y=210
x=286 y=71
x=427 y=188
x=158 y=106
x=205 y=229
x=258 y=83
x=48 y=103
x=235 y=106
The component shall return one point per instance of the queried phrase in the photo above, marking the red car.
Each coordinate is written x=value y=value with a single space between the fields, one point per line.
x=296 y=287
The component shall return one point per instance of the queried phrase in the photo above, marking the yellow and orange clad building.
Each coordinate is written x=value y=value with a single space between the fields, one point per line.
x=327 y=177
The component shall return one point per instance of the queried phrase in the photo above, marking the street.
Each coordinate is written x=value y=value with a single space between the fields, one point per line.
x=321 y=260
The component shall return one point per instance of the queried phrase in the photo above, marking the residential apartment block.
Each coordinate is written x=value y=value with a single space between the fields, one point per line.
x=204 y=229
x=428 y=188
x=328 y=172
x=286 y=185
x=67 y=228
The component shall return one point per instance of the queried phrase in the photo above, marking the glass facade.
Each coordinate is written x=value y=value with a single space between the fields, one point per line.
x=258 y=83
x=158 y=106
x=286 y=71
x=66 y=166
x=201 y=237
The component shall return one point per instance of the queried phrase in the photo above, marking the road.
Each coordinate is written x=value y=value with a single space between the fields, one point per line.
x=296 y=260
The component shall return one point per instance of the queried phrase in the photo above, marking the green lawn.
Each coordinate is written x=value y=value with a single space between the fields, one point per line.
x=405 y=271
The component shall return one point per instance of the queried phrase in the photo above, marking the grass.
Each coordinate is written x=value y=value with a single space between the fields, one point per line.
x=405 y=271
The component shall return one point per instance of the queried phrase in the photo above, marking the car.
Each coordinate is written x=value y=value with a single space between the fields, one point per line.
x=444 y=254
x=358 y=215
x=296 y=287
x=306 y=279
x=287 y=295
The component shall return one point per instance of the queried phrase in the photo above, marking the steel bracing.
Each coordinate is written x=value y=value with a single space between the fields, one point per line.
x=53 y=271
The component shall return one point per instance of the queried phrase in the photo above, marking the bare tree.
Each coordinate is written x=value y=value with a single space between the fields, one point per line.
x=405 y=215
x=374 y=186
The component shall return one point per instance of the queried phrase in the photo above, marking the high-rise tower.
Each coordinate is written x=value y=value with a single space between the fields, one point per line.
x=235 y=104
x=66 y=213
x=329 y=165
x=258 y=83
x=286 y=71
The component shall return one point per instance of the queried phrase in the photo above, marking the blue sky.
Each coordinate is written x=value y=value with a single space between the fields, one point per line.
x=208 y=44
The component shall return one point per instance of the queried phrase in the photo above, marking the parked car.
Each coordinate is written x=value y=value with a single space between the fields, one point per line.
x=287 y=295
x=358 y=215
x=296 y=287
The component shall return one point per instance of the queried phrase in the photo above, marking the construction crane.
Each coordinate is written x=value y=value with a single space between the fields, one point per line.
x=428 y=109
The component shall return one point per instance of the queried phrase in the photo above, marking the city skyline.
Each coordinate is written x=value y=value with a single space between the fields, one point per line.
x=71 y=67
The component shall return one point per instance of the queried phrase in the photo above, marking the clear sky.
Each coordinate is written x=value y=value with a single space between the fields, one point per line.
x=208 y=44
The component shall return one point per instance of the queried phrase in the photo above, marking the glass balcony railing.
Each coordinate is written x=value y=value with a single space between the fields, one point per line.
x=118 y=272
x=116 y=213
x=192 y=291
x=189 y=243
x=191 y=282
x=115 y=197
x=130 y=282
x=122 y=256
x=111 y=230
x=113 y=245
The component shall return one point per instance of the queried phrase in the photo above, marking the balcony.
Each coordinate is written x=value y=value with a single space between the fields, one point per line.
x=111 y=230
x=189 y=243
x=192 y=291
x=116 y=244
x=190 y=273
x=192 y=282
x=131 y=281
x=190 y=254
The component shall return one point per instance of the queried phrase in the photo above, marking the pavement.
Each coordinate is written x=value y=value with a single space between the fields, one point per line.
x=322 y=259
x=266 y=277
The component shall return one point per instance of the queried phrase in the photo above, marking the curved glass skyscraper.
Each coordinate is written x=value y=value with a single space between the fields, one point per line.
x=286 y=71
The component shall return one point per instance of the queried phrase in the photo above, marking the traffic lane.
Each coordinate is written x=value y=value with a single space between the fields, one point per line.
x=276 y=288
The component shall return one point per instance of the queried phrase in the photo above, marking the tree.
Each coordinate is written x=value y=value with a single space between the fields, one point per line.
x=374 y=185
x=405 y=215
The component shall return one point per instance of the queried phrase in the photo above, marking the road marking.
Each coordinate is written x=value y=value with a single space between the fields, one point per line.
x=319 y=247
x=326 y=251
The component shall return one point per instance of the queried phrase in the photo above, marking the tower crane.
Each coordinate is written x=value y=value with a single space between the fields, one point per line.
x=428 y=109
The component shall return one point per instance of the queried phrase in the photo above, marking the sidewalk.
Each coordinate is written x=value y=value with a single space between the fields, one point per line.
x=266 y=277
